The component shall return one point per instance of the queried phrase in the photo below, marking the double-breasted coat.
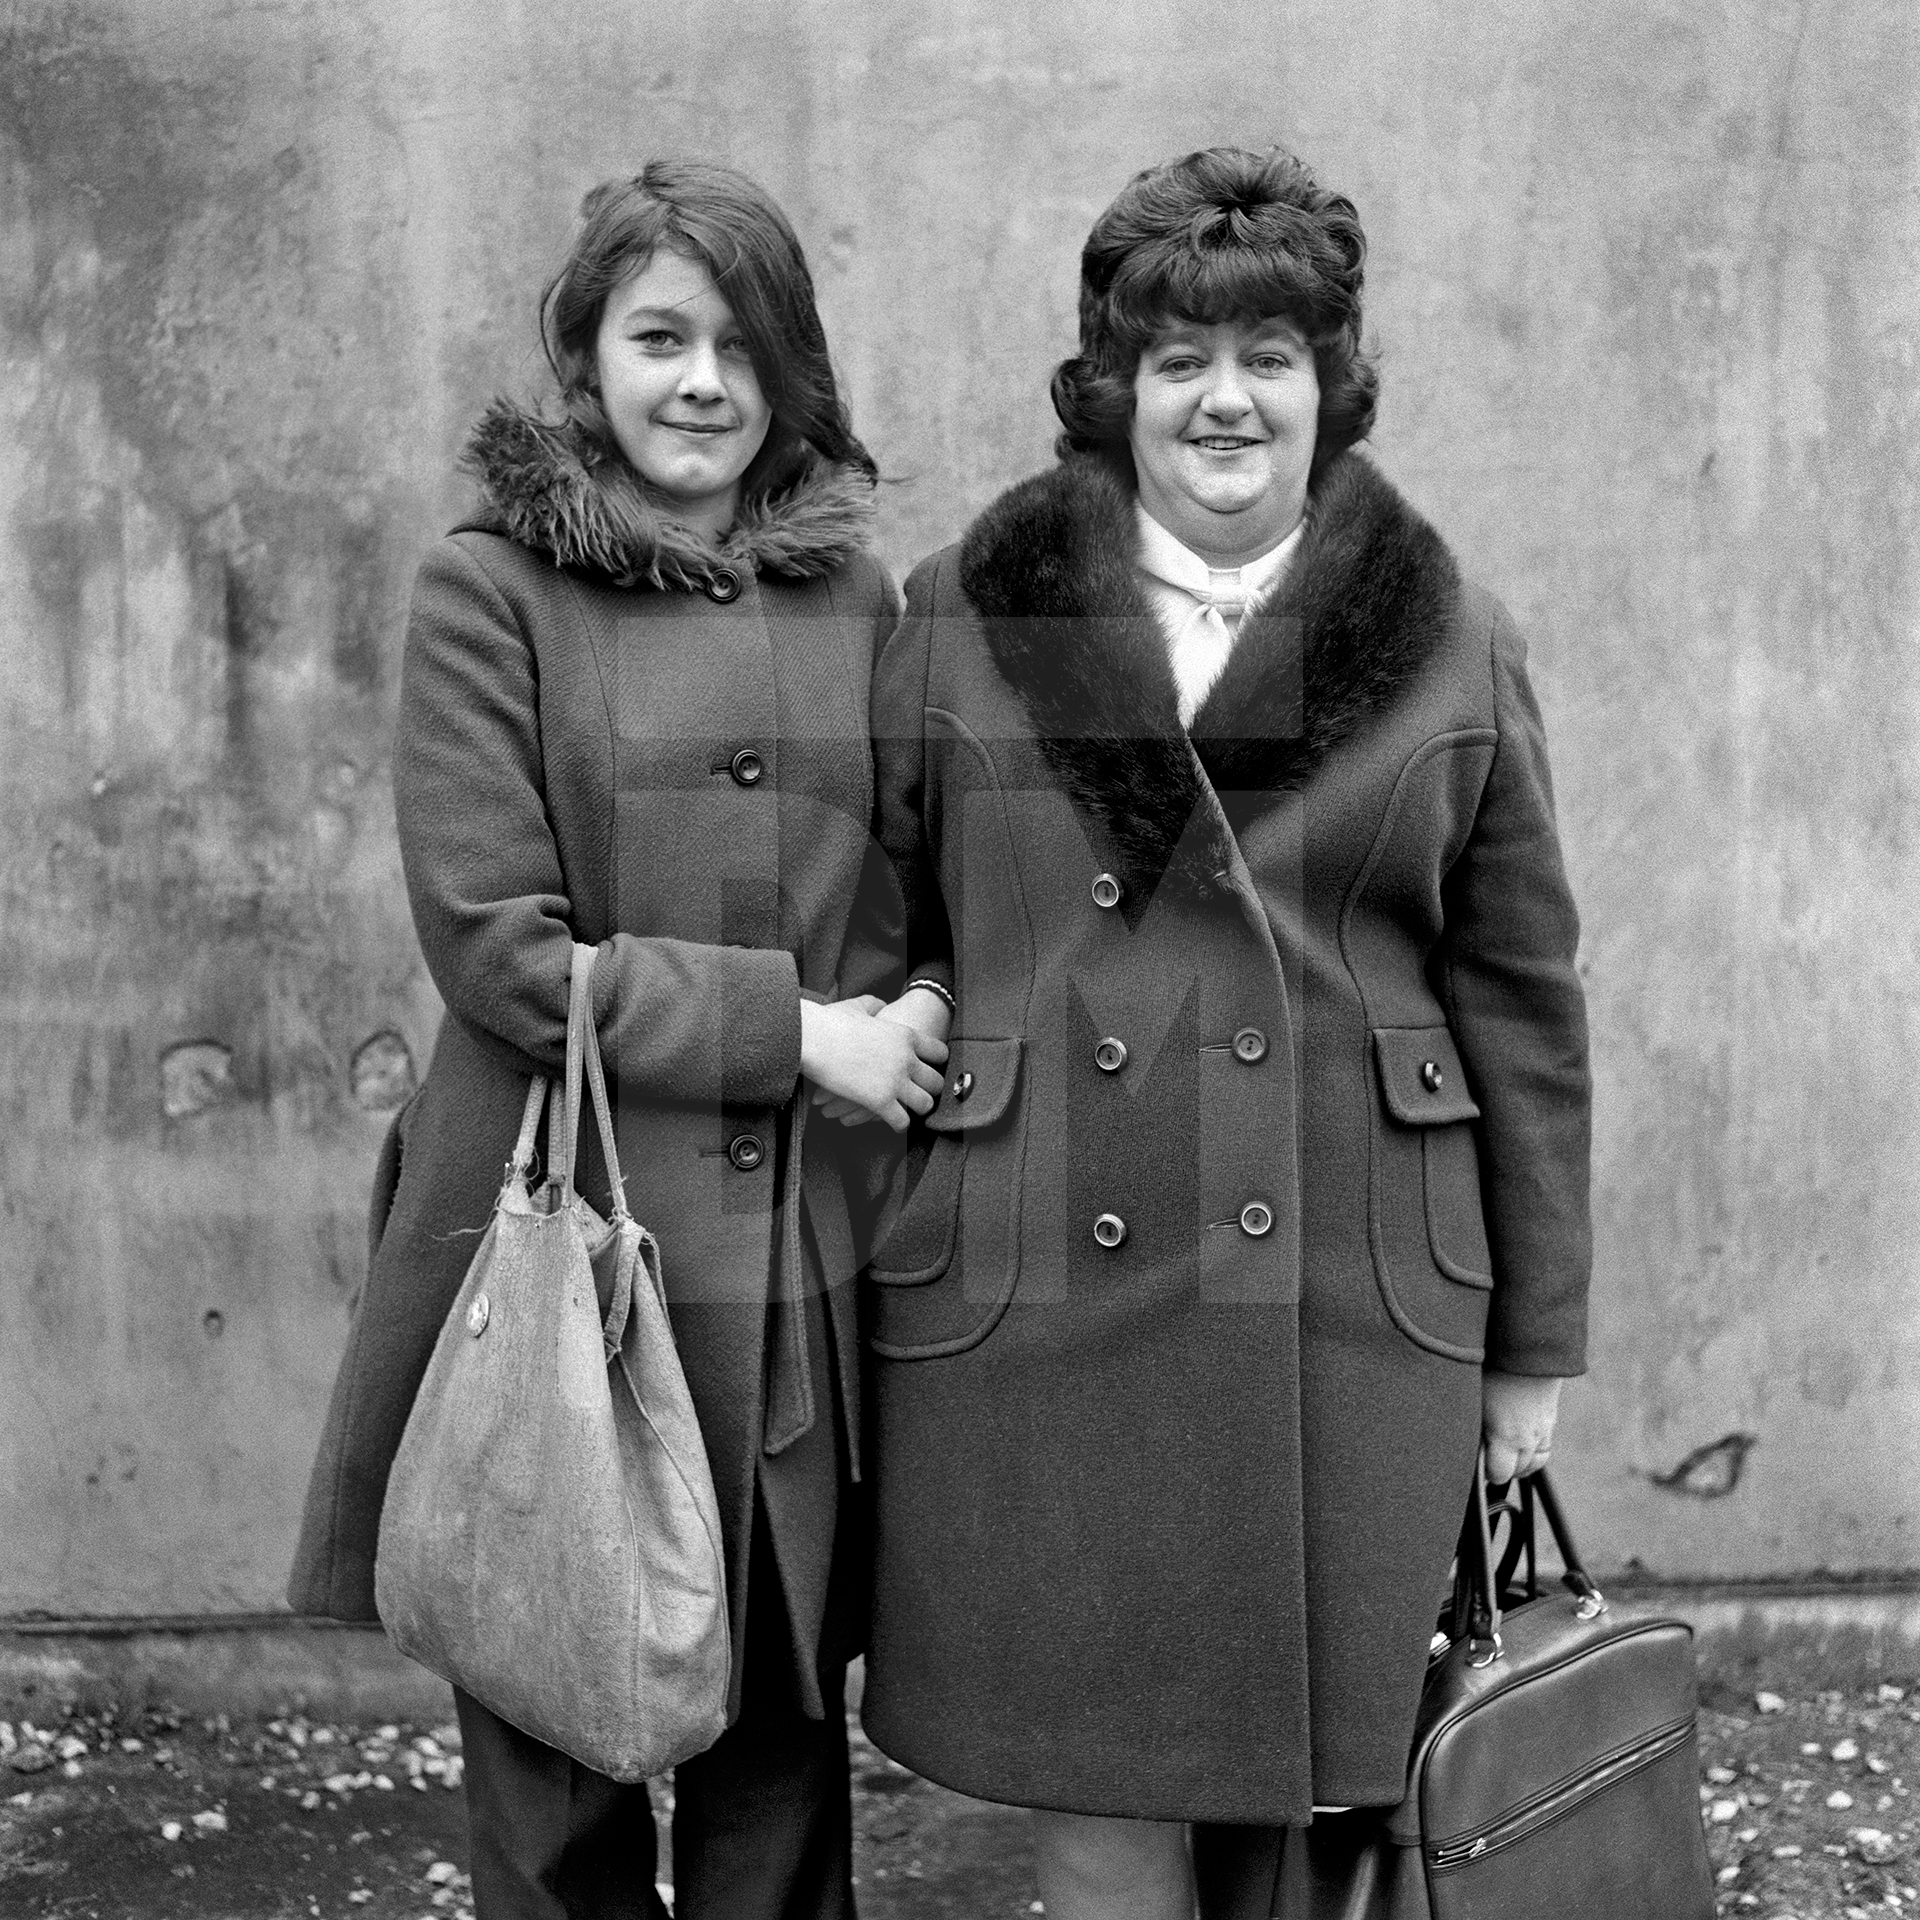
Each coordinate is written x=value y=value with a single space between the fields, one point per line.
x=1265 y=1127
x=612 y=735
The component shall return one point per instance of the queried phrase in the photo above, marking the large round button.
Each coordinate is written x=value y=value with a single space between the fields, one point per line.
x=478 y=1315
x=746 y=766
x=1106 y=890
x=1256 y=1218
x=746 y=1151
x=1109 y=1229
x=1431 y=1077
x=723 y=584
x=1250 y=1046
x=1110 y=1055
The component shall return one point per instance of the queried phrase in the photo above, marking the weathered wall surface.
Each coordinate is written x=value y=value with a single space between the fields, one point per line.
x=1644 y=278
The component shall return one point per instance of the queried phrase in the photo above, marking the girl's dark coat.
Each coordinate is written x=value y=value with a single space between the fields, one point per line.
x=1162 y=1526
x=577 y=687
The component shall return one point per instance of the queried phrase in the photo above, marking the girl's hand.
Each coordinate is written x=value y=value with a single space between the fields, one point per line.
x=924 y=1014
x=1517 y=1416
x=881 y=1068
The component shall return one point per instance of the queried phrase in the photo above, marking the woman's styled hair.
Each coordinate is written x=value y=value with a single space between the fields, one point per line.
x=1222 y=235
x=733 y=227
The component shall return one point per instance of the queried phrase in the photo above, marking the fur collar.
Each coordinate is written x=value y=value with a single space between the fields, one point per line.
x=1050 y=566
x=547 y=488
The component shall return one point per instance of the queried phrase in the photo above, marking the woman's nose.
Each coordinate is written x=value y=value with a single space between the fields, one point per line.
x=1226 y=395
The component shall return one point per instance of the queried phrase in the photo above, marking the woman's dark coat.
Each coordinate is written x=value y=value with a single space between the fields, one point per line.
x=610 y=734
x=1162 y=1526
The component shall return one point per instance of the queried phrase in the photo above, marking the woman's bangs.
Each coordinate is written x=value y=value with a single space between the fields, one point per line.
x=1220 y=284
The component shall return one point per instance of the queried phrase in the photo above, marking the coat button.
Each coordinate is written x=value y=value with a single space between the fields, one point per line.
x=1250 y=1046
x=1109 y=1230
x=1110 y=1055
x=746 y=766
x=478 y=1315
x=1106 y=890
x=1256 y=1218
x=962 y=1085
x=1431 y=1077
x=746 y=1151
x=723 y=584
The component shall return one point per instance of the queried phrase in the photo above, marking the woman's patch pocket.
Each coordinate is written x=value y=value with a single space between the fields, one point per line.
x=964 y=1176
x=1429 y=1224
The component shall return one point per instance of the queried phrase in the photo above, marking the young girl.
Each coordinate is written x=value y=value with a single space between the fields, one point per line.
x=634 y=713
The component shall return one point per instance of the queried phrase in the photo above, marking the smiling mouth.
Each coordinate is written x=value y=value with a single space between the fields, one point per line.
x=1222 y=442
x=695 y=426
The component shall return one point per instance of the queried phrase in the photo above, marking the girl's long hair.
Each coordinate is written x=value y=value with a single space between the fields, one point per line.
x=733 y=227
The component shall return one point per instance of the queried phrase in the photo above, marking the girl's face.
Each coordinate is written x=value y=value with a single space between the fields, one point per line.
x=679 y=388
x=1224 y=420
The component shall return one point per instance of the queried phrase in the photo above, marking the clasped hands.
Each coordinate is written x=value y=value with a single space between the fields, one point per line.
x=871 y=1059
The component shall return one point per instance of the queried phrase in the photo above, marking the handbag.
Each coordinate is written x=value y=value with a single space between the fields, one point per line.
x=1556 y=1757
x=550 y=1540
x=1555 y=1763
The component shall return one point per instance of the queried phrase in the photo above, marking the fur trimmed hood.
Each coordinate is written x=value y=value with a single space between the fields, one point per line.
x=546 y=488
x=1050 y=566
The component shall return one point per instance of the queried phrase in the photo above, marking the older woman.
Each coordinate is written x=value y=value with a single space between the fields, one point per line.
x=1257 y=1189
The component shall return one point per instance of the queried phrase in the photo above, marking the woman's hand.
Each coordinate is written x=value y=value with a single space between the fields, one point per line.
x=922 y=1013
x=1517 y=1415
x=866 y=1064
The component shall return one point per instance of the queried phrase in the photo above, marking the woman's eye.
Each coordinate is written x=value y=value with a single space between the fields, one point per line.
x=737 y=347
x=657 y=339
x=1272 y=362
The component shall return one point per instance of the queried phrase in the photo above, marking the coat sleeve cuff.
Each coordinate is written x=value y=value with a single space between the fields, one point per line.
x=760 y=1052
x=722 y=1021
x=939 y=971
x=1541 y=1339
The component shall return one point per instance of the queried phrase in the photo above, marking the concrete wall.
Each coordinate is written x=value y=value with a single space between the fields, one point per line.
x=1644 y=279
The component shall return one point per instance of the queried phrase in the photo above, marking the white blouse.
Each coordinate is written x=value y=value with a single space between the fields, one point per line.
x=1200 y=607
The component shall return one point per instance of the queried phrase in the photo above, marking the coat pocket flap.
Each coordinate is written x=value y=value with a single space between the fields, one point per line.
x=981 y=1078
x=1421 y=1076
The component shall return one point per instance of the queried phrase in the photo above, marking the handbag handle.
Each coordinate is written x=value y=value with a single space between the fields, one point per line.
x=1480 y=1580
x=563 y=1112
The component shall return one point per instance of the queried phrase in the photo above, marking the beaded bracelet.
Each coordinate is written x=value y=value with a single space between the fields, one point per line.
x=932 y=986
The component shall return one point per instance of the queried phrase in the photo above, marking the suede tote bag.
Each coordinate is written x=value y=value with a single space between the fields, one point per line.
x=550 y=1539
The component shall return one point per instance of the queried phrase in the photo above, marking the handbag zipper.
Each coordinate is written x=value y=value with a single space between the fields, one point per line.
x=1559 y=1801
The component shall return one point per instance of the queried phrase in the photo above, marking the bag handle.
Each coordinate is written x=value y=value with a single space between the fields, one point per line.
x=563 y=1111
x=1480 y=1581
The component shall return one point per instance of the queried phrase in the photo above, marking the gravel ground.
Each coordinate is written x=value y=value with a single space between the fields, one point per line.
x=1808 y=1800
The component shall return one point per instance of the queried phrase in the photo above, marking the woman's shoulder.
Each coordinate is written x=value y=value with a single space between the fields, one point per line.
x=934 y=583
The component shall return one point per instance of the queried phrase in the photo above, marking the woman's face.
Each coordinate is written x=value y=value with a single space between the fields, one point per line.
x=679 y=387
x=1223 y=431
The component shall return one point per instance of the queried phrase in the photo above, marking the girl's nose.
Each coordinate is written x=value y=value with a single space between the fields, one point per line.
x=700 y=373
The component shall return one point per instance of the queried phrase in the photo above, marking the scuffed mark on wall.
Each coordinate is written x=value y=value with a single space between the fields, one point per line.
x=195 y=1075
x=1710 y=1472
x=383 y=1076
